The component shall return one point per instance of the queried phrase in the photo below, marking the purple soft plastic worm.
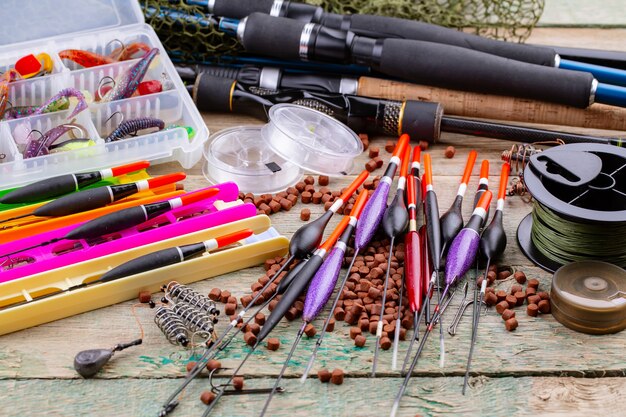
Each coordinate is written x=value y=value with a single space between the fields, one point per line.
x=38 y=147
x=128 y=81
x=66 y=92
x=322 y=285
x=461 y=255
x=372 y=214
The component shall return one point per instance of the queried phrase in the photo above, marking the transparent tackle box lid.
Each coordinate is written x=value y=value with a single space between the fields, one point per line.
x=36 y=26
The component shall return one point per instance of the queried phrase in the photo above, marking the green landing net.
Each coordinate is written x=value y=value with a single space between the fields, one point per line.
x=190 y=40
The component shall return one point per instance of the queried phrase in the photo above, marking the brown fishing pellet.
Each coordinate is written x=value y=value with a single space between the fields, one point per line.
x=309 y=180
x=533 y=299
x=326 y=198
x=317 y=197
x=273 y=343
x=490 y=289
x=300 y=186
x=293 y=199
x=370 y=165
x=306 y=197
x=224 y=296
x=450 y=151
x=215 y=294
x=249 y=195
x=364 y=324
x=238 y=383
x=511 y=324
x=323 y=375
x=337 y=377
x=305 y=215
x=144 y=297
x=543 y=295
x=245 y=300
x=511 y=299
x=385 y=343
x=275 y=206
x=323 y=180
x=190 y=366
x=331 y=325
x=354 y=332
x=365 y=140
x=374 y=151
x=373 y=293
x=339 y=313
x=373 y=326
x=267 y=210
x=533 y=283
x=507 y=314
x=491 y=299
x=232 y=300
x=530 y=291
x=256 y=286
x=258 y=201
x=515 y=288
x=350 y=318
x=390 y=146
x=532 y=310
x=230 y=309
x=501 y=294
x=368 y=185
x=254 y=328
x=286 y=204
x=521 y=296
x=207 y=397
x=359 y=340
x=491 y=276
x=213 y=364
x=379 y=162
x=310 y=330
x=544 y=306
x=310 y=188
x=424 y=145
x=250 y=338
x=502 y=306
x=503 y=275
x=520 y=277
x=259 y=319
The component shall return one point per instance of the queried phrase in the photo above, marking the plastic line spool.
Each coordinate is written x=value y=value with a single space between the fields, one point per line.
x=273 y=157
x=590 y=297
x=582 y=189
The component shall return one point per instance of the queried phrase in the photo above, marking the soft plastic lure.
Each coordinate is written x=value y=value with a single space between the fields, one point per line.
x=131 y=127
x=88 y=59
x=8 y=77
x=127 y=82
x=65 y=93
x=41 y=146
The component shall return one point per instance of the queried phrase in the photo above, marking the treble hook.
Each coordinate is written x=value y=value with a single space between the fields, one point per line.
x=222 y=387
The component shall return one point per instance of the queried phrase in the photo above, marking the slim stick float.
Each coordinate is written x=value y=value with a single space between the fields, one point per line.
x=461 y=256
x=65 y=184
x=94 y=198
x=123 y=219
x=286 y=301
x=492 y=245
x=394 y=222
x=322 y=286
x=303 y=242
x=483 y=184
x=365 y=229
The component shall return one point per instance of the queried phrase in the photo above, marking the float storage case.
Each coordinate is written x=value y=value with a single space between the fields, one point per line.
x=50 y=26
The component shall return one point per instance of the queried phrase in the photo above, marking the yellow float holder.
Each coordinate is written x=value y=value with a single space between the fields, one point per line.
x=70 y=303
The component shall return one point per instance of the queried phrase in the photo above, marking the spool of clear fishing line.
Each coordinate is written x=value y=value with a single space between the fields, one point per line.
x=579 y=211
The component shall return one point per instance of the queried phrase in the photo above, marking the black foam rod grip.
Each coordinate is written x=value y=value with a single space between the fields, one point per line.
x=144 y=263
x=76 y=202
x=463 y=69
x=109 y=223
x=238 y=9
x=421 y=120
x=273 y=36
x=295 y=290
x=391 y=27
x=212 y=93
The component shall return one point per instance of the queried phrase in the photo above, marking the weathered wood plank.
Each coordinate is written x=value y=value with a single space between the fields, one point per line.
x=363 y=397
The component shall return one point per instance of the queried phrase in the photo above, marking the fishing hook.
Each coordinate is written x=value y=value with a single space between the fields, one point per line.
x=459 y=315
x=122 y=44
x=102 y=84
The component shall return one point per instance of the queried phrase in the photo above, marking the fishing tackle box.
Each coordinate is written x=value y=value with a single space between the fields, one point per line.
x=50 y=26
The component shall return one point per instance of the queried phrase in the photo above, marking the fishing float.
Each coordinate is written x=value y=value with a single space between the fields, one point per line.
x=124 y=219
x=288 y=298
x=321 y=286
x=94 y=198
x=64 y=184
x=461 y=256
x=483 y=184
x=394 y=222
x=492 y=245
x=302 y=244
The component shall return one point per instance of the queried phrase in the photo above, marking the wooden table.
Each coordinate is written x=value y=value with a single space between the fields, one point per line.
x=542 y=368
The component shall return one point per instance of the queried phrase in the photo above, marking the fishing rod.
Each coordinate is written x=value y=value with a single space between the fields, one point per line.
x=94 y=198
x=302 y=244
x=460 y=257
x=292 y=293
x=123 y=219
x=492 y=245
x=151 y=261
x=448 y=66
x=434 y=238
x=394 y=222
x=371 y=217
x=418 y=119
x=321 y=286
x=64 y=184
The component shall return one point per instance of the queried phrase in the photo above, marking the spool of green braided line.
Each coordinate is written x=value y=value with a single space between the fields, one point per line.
x=579 y=212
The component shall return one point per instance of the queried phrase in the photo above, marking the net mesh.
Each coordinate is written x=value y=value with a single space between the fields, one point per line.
x=187 y=34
